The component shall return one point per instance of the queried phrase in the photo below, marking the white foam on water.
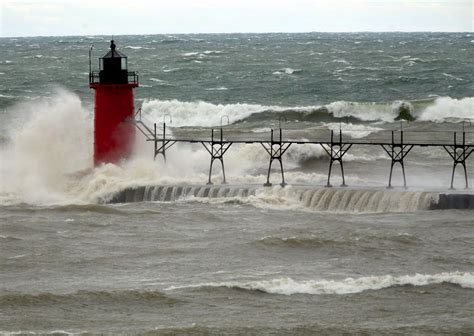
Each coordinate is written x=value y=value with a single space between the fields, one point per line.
x=449 y=108
x=355 y=131
x=207 y=114
x=200 y=113
x=288 y=286
x=334 y=200
x=363 y=111
x=287 y=71
x=220 y=88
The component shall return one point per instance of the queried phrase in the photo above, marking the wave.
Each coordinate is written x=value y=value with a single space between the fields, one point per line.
x=172 y=40
x=287 y=71
x=300 y=242
x=313 y=241
x=220 y=88
x=288 y=286
x=447 y=108
x=42 y=333
x=9 y=238
x=171 y=69
x=86 y=296
x=207 y=114
x=199 y=56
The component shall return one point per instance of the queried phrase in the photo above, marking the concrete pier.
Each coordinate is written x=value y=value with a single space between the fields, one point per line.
x=312 y=197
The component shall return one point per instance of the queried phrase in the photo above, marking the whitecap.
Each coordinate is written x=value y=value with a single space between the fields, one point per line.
x=340 y=61
x=446 y=107
x=190 y=54
x=222 y=88
x=355 y=131
x=363 y=111
x=287 y=71
x=288 y=286
x=212 y=52
x=200 y=113
x=171 y=70
x=17 y=256
x=452 y=76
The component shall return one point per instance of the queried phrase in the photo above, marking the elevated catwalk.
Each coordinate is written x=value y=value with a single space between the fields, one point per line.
x=312 y=198
x=397 y=144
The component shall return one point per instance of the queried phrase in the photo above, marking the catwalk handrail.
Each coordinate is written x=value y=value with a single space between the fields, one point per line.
x=416 y=138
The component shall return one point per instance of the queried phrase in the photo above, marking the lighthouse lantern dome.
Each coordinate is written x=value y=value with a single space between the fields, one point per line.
x=113 y=67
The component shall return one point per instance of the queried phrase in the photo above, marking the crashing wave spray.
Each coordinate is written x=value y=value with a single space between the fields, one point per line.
x=54 y=142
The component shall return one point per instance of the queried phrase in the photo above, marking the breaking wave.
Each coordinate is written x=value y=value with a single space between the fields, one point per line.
x=288 y=286
x=207 y=114
x=446 y=108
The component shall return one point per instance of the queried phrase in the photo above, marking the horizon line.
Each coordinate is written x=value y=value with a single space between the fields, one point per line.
x=253 y=32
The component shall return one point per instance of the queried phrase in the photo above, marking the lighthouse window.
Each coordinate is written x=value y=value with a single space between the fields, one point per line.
x=124 y=63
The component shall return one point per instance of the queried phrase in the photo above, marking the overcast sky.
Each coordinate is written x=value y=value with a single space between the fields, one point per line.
x=116 y=17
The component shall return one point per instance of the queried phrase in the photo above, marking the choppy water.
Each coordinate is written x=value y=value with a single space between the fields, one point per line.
x=248 y=260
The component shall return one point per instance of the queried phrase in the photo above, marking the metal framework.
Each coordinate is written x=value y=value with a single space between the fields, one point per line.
x=459 y=153
x=336 y=146
x=336 y=150
x=397 y=152
x=276 y=149
x=161 y=148
x=161 y=143
x=217 y=149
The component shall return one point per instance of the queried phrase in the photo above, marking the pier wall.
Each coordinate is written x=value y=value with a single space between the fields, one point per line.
x=313 y=198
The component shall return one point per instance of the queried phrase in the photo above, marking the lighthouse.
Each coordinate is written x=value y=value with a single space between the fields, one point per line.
x=114 y=131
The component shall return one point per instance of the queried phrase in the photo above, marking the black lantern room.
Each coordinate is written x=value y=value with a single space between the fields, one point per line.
x=113 y=67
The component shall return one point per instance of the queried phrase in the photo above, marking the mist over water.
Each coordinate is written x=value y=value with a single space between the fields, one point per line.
x=186 y=258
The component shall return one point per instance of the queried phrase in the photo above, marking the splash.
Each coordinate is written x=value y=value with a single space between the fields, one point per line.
x=55 y=142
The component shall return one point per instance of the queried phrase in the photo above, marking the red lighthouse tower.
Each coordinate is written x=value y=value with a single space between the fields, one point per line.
x=114 y=133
